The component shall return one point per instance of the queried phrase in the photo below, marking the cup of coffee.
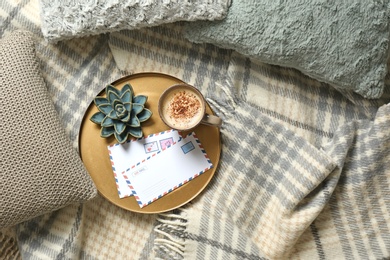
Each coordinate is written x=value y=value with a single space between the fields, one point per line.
x=183 y=107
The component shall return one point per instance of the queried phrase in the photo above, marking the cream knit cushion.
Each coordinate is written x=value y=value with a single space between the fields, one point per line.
x=40 y=170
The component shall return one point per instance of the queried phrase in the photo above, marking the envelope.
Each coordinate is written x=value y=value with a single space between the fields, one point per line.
x=122 y=156
x=167 y=170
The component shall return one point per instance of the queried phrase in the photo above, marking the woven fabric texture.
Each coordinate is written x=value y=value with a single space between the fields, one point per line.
x=287 y=194
x=68 y=19
x=218 y=224
x=40 y=170
x=271 y=123
x=8 y=247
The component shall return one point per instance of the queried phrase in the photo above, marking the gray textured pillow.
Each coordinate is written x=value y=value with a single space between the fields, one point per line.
x=64 y=19
x=343 y=43
x=40 y=170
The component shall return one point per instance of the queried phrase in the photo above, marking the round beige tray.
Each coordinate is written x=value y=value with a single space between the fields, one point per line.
x=94 y=152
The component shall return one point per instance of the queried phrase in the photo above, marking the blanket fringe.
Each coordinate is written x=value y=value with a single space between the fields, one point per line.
x=228 y=97
x=170 y=238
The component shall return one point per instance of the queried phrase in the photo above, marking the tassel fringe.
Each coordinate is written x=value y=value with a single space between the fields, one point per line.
x=170 y=235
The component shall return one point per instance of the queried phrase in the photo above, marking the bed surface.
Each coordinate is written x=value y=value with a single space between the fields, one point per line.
x=303 y=172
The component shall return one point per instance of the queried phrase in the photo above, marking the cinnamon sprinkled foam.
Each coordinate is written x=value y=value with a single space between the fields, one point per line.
x=183 y=109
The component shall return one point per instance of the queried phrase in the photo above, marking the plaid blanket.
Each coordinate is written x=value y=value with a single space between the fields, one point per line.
x=303 y=172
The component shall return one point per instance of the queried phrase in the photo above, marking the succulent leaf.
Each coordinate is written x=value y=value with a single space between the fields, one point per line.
x=137 y=108
x=122 y=114
x=134 y=122
x=113 y=89
x=100 y=101
x=144 y=115
x=107 y=131
x=126 y=96
x=121 y=138
x=112 y=114
x=127 y=118
x=107 y=122
x=127 y=88
x=105 y=108
x=128 y=106
x=112 y=97
x=140 y=99
x=115 y=102
x=98 y=117
x=135 y=131
x=119 y=127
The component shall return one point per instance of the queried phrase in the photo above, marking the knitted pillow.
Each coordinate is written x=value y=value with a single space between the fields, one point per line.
x=40 y=170
x=64 y=19
x=343 y=43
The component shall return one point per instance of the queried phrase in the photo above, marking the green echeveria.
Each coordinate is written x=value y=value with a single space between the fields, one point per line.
x=120 y=113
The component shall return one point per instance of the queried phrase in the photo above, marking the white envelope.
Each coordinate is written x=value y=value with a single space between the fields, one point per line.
x=167 y=170
x=122 y=156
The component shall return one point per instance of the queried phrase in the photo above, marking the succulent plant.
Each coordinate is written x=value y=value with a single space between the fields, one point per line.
x=121 y=113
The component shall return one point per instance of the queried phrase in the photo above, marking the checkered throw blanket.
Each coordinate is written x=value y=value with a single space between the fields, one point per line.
x=304 y=170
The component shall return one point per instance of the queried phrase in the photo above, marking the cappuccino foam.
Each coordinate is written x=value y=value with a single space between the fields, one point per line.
x=182 y=109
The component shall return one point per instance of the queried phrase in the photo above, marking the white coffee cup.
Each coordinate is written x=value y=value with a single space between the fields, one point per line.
x=183 y=107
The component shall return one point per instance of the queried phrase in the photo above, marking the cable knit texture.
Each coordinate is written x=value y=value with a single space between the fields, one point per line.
x=40 y=170
x=75 y=18
x=343 y=43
